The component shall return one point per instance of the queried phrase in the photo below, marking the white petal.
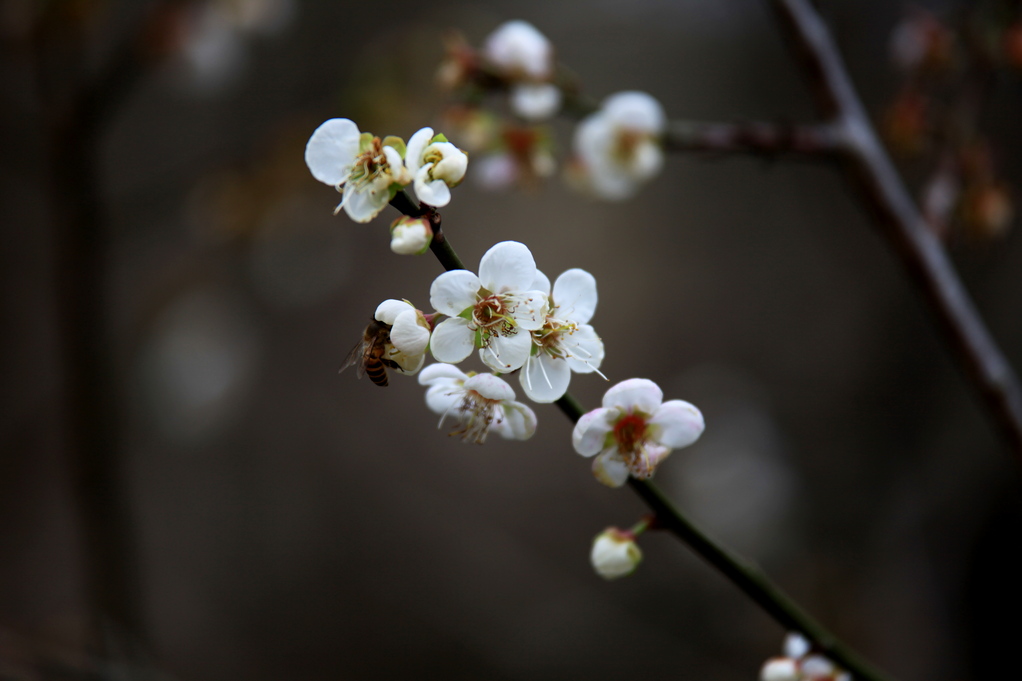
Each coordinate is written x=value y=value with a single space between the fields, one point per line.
x=817 y=666
x=331 y=150
x=530 y=308
x=416 y=145
x=518 y=423
x=504 y=354
x=408 y=335
x=610 y=469
x=407 y=364
x=398 y=172
x=518 y=46
x=636 y=111
x=544 y=378
x=677 y=424
x=535 y=102
x=540 y=283
x=575 y=296
x=796 y=645
x=585 y=350
x=452 y=340
x=388 y=310
x=592 y=138
x=441 y=373
x=591 y=431
x=635 y=394
x=453 y=292
x=491 y=387
x=646 y=161
x=431 y=192
x=507 y=266
x=363 y=206
x=451 y=168
x=611 y=182
x=780 y=669
x=444 y=398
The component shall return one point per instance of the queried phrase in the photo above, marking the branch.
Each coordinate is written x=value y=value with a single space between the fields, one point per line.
x=742 y=574
x=900 y=221
x=768 y=139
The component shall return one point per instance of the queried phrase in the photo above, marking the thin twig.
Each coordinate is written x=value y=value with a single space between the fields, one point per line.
x=767 y=139
x=901 y=223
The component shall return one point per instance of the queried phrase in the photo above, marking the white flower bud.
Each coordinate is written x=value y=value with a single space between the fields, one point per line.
x=410 y=236
x=615 y=554
x=517 y=47
x=535 y=102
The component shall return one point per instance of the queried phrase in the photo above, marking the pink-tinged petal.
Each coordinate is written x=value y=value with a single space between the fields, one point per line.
x=408 y=335
x=453 y=292
x=331 y=150
x=544 y=378
x=635 y=394
x=504 y=354
x=518 y=422
x=644 y=463
x=508 y=266
x=575 y=296
x=417 y=143
x=441 y=373
x=610 y=469
x=491 y=387
x=434 y=193
x=388 y=310
x=529 y=309
x=677 y=424
x=540 y=283
x=590 y=434
x=584 y=348
x=444 y=398
x=452 y=340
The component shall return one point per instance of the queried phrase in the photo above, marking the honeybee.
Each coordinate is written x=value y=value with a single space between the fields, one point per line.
x=368 y=355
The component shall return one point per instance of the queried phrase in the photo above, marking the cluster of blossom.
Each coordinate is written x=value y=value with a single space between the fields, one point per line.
x=369 y=171
x=799 y=663
x=616 y=148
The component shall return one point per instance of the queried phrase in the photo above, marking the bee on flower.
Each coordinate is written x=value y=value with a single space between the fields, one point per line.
x=634 y=431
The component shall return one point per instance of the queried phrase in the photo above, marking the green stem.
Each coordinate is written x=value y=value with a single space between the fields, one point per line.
x=742 y=574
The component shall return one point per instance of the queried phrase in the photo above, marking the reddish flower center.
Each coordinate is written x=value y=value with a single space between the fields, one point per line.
x=630 y=432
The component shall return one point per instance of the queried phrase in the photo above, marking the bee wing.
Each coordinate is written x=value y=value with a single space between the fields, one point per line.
x=356 y=358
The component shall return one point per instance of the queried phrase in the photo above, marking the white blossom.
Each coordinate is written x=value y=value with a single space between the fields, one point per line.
x=634 y=431
x=359 y=165
x=436 y=165
x=410 y=236
x=494 y=311
x=478 y=403
x=566 y=342
x=799 y=663
x=518 y=49
x=409 y=334
x=535 y=101
x=619 y=145
x=615 y=554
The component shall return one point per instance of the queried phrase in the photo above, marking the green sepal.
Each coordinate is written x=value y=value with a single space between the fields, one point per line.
x=466 y=314
x=479 y=339
x=397 y=143
x=365 y=140
x=439 y=137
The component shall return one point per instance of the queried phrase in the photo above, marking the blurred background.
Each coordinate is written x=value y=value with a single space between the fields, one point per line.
x=179 y=450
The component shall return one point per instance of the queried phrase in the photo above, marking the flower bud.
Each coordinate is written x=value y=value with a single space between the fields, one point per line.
x=615 y=553
x=410 y=236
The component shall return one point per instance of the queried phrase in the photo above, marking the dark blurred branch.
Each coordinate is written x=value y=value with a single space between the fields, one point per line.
x=742 y=574
x=768 y=139
x=900 y=220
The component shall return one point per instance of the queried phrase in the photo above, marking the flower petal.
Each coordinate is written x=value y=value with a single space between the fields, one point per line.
x=504 y=354
x=518 y=422
x=398 y=172
x=635 y=394
x=491 y=387
x=452 y=165
x=431 y=192
x=444 y=397
x=408 y=335
x=540 y=283
x=544 y=378
x=535 y=102
x=388 y=310
x=591 y=431
x=507 y=266
x=530 y=308
x=362 y=206
x=441 y=373
x=610 y=469
x=677 y=424
x=452 y=340
x=331 y=150
x=575 y=296
x=453 y=292
x=416 y=145
x=636 y=111
x=585 y=350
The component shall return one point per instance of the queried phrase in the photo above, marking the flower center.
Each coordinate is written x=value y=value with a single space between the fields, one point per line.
x=630 y=433
x=477 y=414
x=492 y=315
x=369 y=165
x=550 y=338
x=625 y=145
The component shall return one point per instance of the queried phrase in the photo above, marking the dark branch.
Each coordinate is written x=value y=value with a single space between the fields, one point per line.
x=768 y=139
